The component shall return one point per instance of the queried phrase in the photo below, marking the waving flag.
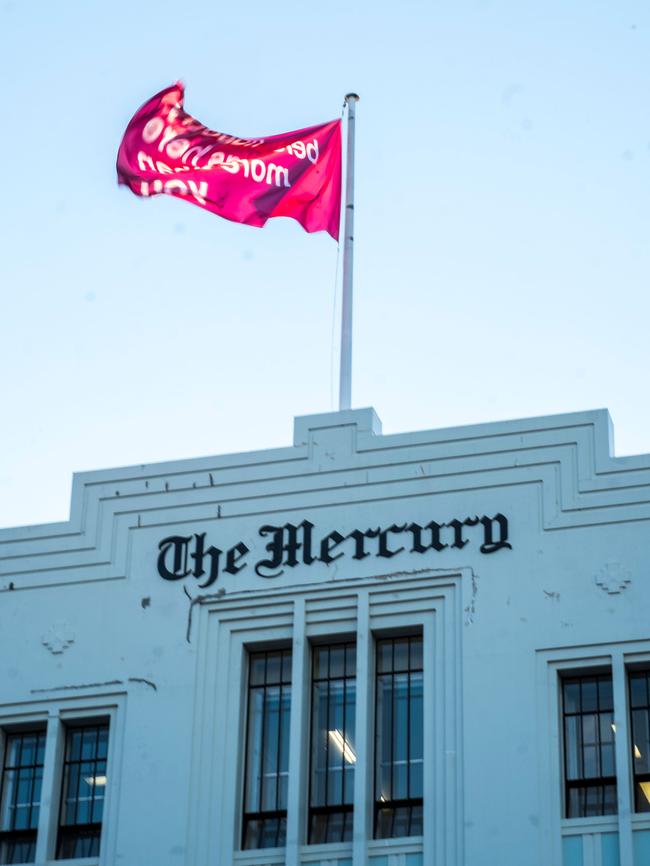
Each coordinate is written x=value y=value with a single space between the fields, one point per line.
x=247 y=180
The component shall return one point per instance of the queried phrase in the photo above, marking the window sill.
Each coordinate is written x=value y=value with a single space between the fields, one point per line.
x=327 y=850
x=257 y=857
x=77 y=861
x=641 y=821
x=599 y=823
x=398 y=845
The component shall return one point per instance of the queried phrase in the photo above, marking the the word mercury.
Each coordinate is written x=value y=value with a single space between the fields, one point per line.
x=289 y=545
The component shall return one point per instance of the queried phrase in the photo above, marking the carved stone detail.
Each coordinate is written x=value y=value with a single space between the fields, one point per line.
x=58 y=638
x=613 y=578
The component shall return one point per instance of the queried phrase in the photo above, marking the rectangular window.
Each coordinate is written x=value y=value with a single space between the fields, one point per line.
x=589 y=758
x=333 y=756
x=82 y=792
x=20 y=795
x=398 y=738
x=639 y=683
x=267 y=750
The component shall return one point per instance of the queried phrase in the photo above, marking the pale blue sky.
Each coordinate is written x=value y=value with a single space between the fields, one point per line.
x=502 y=227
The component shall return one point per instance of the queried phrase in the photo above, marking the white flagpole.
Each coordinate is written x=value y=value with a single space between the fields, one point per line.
x=345 y=380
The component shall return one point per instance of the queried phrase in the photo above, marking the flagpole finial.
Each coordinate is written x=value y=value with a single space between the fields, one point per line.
x=352 y=97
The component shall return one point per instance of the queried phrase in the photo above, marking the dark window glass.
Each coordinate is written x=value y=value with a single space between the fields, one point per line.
x=82 y=792
x=639 y=684
x=589 y=758
x=398 y=738
x=333 y=755
x=267 y=750
x=20 y=795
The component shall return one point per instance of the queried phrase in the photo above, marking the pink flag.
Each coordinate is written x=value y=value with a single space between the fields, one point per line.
x=247 y=180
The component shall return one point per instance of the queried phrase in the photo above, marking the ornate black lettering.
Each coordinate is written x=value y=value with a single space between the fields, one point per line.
x=275 y=548
x=384 y=550
x=179 y=545
x=286 y=541
x=489 y=544
x=435 y=543
x=233 y=556
x=457 y=526
x=328 y=544
x=359 y=541
x=293 y=545
x=200 y=552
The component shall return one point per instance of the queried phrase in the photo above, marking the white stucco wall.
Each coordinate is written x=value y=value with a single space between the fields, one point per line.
x=88 y=625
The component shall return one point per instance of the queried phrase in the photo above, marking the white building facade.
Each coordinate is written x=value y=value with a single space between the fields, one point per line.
x=424 y=649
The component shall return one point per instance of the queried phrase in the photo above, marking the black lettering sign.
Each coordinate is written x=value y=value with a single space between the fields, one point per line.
x=288 y=546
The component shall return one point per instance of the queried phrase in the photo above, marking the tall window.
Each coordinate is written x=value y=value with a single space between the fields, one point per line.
x=640 y=710
x=82 y=794
x=589 y=759
x=20 y=795
x=333 y=756
x=267 y=750
x=398 y=738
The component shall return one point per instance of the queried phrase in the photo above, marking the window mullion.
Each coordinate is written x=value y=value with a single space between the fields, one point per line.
x=621 y=745
x=298 y=752
x=364 y=742
x=48 y=816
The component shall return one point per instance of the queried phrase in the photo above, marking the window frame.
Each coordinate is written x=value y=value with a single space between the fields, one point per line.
x=349 y=644
x=276 y=814
x=77 y=828
x=52 y=715
x=583 y=781
x=227 y=628
x=7 y=732
x=396 y=803
x=636 y=778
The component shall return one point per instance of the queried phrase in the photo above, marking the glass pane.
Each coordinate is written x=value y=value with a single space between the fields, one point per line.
x=400 y=736
x=273 y=668
x=589 y=729
x=335 y=827
x=20 y=849
x=337 y=662
x=285 y=730
x=13 y=750
x=638 y=690
x=608 y=766
x=641 y=741
x=416 y=654
x=102 y=746
x=384 y=656
x=254 y=750
x=270 y=758
x=318 y=829
x=384 y=825
x=642 y=798
x=591 y=763
x=606 y=728
x=28 y=756
x=593 y=801
x=89 y=744
x=257 y=668
x=321 y=662
x=286 y=667
x=319 y=743
x=589 y=695
x=401 y=656
x=605 y=695
x=610 y=805
x=74 y=745
x=351 y=660
x=383 y=774
x=8 y=799
x=571 y=696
